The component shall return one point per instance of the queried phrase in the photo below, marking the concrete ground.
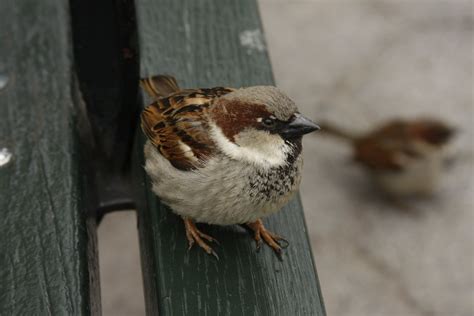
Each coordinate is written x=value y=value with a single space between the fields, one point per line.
x=357 y=63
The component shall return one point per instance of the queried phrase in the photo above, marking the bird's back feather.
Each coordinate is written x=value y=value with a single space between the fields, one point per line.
x=174 y=123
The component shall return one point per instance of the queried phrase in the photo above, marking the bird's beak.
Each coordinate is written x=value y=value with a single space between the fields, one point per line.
x=299 y=126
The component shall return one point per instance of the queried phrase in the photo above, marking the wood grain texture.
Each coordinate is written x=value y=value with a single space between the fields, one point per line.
x=47 y=246
x=215 y=43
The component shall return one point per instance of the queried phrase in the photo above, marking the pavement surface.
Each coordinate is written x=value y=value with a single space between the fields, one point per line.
x=358 y=63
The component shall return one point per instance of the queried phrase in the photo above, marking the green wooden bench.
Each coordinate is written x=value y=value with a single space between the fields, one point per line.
x=69 y=101
x=47 y=242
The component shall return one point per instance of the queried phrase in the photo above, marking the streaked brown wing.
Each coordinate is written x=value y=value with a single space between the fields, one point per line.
x=385 y=148
x=177 y=127
x=376 y=156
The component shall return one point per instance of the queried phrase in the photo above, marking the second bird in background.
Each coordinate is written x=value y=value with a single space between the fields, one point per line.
x=404 y=157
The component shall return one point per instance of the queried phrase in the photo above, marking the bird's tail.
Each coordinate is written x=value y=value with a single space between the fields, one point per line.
x=330 y=129
x=159 y=86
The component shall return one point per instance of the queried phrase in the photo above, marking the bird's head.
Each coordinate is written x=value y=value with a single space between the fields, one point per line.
x=260 y=125
x=432 y=131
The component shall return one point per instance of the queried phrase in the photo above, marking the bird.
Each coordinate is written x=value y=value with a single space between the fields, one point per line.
x=223 y=156
x=404 y=157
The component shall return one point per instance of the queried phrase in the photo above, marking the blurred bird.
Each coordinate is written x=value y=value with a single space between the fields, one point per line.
x=223 y=156
x=404 y=157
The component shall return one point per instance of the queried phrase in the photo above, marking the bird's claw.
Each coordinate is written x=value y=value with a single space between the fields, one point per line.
x=279 y=254
x=194 y=235
x=190 y=243
x=282 y=242
x=272 y=240
x=214 y=254
x=258 y=243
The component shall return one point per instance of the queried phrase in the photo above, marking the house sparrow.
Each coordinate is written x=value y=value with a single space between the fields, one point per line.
x=405 y=157
x=223 y=156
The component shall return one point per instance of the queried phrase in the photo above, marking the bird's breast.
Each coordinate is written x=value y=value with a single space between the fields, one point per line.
x=225 y=191
x=275 y=186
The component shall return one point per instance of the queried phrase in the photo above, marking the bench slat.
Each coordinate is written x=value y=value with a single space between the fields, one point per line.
x=205 y=44
x=47 y=247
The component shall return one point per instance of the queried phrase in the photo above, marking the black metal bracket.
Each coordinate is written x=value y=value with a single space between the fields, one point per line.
x=106 y=62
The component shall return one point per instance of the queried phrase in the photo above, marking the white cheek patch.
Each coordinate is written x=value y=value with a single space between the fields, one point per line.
x=257 y=147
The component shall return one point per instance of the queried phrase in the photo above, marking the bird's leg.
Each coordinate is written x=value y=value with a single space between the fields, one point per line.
x=270 y=238
x=194 y=235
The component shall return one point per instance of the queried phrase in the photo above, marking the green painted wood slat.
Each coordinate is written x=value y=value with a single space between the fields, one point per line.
x=210 y=43
x=47 y=245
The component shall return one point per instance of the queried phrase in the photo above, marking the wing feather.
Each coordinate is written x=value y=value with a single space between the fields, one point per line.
x=177 y=127
x=387 y=148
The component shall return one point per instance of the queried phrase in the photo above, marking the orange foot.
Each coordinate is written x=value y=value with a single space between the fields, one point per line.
x=194 y=235
x=270 y=238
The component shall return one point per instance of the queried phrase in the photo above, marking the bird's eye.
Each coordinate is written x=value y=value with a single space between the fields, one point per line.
x=268 y=122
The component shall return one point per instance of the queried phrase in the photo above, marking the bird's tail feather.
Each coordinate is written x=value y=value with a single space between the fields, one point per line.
x=159 y=86
x=330 y=129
